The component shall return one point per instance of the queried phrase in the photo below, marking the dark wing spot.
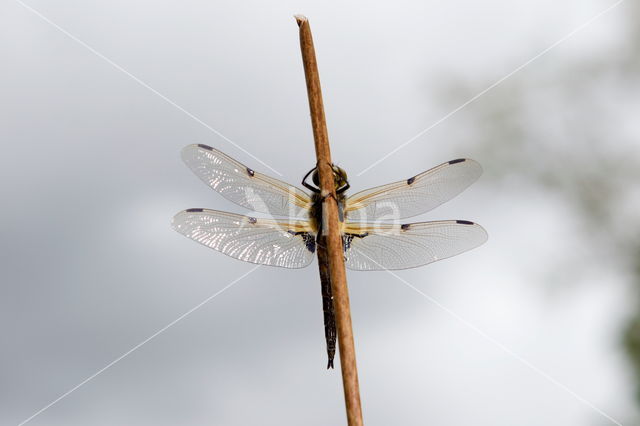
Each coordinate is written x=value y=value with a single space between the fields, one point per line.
x=194 y=210
x=207 y=147
x=464 y=222
x=309 y=242
x=346 y=241
x=411 y=180
x=405 y=226
x=252 y=220
x=250 y=172
x=348 y=238
x=459 y=160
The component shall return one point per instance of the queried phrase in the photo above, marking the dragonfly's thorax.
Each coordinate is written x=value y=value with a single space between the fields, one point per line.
x=315 y=212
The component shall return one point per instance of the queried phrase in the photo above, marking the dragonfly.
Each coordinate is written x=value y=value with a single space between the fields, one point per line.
x=373 y=233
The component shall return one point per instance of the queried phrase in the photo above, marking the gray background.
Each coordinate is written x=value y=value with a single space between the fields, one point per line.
x=90 y=176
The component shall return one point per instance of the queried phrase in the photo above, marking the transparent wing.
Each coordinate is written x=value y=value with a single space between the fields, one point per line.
x=284 y=243
x=415 y=195
x=371 y=247
x=241 y=185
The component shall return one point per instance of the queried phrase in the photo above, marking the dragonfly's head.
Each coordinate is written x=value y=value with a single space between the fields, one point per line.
x=339 y=177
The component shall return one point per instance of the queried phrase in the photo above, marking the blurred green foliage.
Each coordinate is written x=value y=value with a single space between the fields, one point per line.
x=567 y=124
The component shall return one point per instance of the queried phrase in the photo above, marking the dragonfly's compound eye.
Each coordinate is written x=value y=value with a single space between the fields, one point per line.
x=340 y=176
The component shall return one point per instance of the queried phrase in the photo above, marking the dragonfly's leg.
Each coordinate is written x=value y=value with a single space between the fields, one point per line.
x=311 y=188
x=343 y=188
x=307 y=185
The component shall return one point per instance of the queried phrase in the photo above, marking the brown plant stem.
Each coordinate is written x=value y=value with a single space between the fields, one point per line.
x=331 y=228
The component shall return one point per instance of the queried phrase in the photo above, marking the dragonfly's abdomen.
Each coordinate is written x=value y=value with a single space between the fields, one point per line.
x=330 y=332
x=315 y=217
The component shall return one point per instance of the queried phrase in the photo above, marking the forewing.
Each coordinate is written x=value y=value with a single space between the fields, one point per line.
x=371 y=247
x=242 y=185
x=284 y=243
x=415 y=195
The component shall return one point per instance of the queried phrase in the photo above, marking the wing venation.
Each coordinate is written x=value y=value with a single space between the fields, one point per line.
x=371 y=247
x=273 y=242
x=415 y=195
x=244 y=186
